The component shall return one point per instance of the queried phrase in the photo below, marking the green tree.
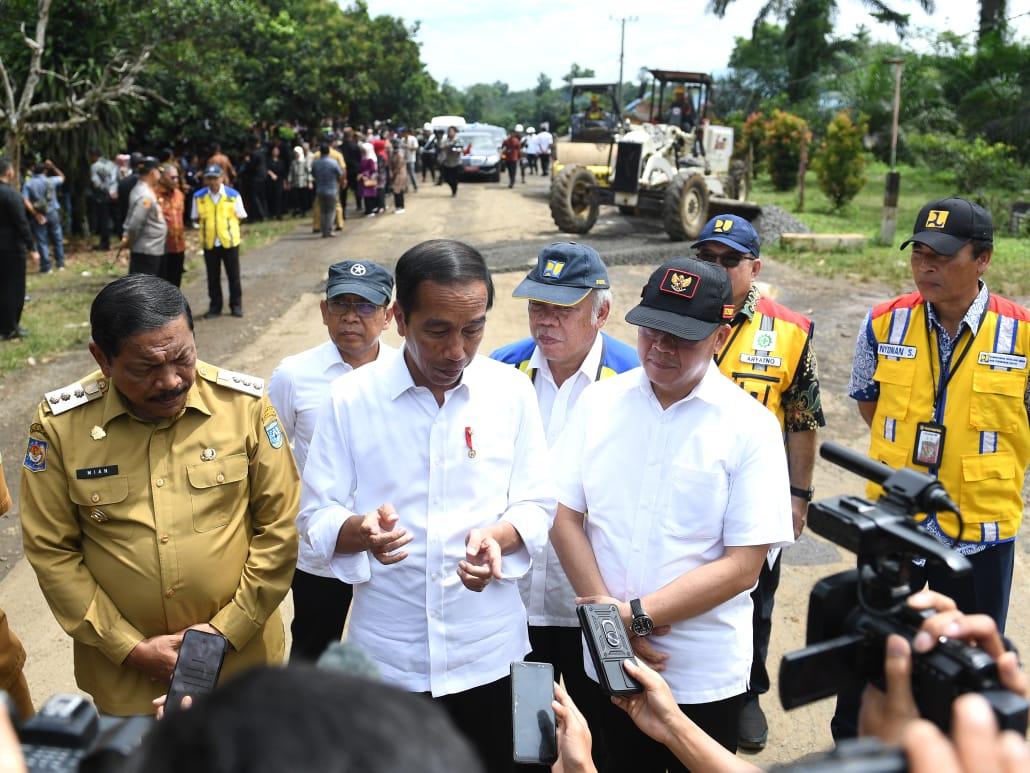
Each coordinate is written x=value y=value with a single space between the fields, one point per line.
x=840 y=160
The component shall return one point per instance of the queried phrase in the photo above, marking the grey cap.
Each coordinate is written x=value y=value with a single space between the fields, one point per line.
x=360 y=277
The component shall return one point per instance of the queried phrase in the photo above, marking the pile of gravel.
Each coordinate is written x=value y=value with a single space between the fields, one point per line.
x=775 y=221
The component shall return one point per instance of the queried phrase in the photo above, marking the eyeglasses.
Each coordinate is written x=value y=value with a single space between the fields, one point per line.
x=731 y=260
x=362 y=308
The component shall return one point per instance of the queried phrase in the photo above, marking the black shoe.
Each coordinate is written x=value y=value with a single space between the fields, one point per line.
x=237 y=312
x=211 y=314
x=752 y=728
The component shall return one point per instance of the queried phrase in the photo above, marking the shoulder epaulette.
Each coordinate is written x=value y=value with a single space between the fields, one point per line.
x=241 y=382
x=72 y=396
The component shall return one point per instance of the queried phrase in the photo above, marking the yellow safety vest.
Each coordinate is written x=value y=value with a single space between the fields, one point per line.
x=219 y=220
x=763 y=354
x=987 y=439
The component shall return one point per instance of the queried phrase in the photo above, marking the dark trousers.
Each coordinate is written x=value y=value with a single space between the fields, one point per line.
x=398 y=200
x=986 y=592
x=12 y=290
x=259 y=203
x=274 y=195
x=213 y=260
x=326 y=212
x=630 y=750
x=370 y=204
x=761 y=623
x=172 y=267
x=412 y=177
x=483 y=715
x=511 y=166
x=562 y=647
x=545 y=163
x=429 y=165
x=354 y=185
x=450 y=176
x=102 y=212
x=141 y=263
x=320 y=607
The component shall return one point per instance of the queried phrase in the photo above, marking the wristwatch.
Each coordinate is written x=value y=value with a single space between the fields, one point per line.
x=802 y=493
x=642 y=623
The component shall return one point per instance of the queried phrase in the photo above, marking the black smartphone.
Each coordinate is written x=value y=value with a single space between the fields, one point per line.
x=608 y=645
x=197 y=668
x=534 y=737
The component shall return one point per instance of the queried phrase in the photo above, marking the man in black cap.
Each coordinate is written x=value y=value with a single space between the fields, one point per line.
x=940 y=376
x=685 y=480
x=356 y=311
x=569 y=298
x=219 y=210
x=145 y=227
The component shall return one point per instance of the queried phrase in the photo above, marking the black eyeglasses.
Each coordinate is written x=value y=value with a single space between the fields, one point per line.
x=732 y=260
x=362 y=308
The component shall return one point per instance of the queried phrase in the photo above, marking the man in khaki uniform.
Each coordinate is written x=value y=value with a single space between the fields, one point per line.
x=158 y=494
x=12 y=654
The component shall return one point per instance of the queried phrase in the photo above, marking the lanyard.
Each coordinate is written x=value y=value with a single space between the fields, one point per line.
x=939 y=389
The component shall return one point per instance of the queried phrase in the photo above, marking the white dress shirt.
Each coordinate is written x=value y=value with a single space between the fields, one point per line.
x=546 y=591
x=298 y=389
x=667 y=491
x=382 y=439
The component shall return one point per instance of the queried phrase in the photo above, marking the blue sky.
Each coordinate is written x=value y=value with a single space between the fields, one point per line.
x=476 y=41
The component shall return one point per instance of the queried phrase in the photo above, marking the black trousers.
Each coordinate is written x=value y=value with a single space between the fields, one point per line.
x=762 y=597
x=102 y=206
x=141 y=263
x=320 y=606
x=986 y=592
x=483 y=715
x=398 y=200
x=172 y=267
x=370 y=204
x=258 y=200
x=213 y=260
x=12 y=290
x=630 y=750
x=562 y=647
x=545 y=163
x=450 y=176
x=511 y=167
x=429 y=165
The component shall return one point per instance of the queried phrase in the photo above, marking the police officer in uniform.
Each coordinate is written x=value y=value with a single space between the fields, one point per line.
x=940 y=376
x=569 y=297
x=145 y=227
x=158 y=494
x=769 y=354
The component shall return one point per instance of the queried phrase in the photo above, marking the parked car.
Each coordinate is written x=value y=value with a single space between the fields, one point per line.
x=482 y=158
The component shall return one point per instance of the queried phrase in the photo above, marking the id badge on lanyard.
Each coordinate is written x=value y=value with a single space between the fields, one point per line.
x=928 y=449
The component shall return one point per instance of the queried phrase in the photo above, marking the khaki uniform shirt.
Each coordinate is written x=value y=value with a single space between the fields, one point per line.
x=139 y=528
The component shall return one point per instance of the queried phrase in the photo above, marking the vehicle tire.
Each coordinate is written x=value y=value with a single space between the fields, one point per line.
x=575 y=200
x=495 y=178
x=685 y=208
x=624 y=210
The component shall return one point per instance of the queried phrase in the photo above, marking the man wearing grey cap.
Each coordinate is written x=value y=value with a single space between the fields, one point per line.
x=355 y=312
x=145 y=226
x=940 y=377
x=569 y=298
x=685 y=480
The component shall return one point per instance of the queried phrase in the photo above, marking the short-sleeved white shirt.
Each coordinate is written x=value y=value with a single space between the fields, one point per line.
x=666 y=491
x=298 y=389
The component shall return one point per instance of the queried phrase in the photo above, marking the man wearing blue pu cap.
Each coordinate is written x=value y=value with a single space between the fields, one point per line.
x=769 y=355
x=569 y=298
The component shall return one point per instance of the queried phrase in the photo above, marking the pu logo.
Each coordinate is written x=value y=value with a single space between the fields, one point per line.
x=937 y=218
x=680 y=282
x=725 y=226
x=553 y=268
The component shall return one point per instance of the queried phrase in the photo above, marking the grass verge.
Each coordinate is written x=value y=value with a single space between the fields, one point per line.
x=1008 y=274
x=57 y=312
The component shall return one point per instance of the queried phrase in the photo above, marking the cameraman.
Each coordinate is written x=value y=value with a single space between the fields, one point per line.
x=891 y=716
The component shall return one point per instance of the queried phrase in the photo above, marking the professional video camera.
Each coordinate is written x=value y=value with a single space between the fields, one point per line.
x=850 y=614
x=69 y=735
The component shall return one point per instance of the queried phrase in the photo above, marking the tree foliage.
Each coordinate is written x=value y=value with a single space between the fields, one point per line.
x=840 y=160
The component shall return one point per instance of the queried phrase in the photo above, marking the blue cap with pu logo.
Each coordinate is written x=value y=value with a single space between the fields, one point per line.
x=564 y=274
x=733 y=231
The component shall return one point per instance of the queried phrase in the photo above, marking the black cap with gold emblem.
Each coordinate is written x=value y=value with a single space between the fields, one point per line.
x=947 y=225
x=685 y=297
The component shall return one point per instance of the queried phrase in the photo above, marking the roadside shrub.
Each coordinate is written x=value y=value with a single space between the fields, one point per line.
x=752 y=133
x=840 y=161
x=976 y=164
x=783 y=134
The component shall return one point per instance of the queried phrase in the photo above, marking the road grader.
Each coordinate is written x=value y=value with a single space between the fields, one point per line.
x=661 y=158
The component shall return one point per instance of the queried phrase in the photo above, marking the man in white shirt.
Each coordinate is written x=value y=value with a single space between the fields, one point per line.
x=409 y=142
x=685 y=480
x=427 y=486
x=356 y=311
x=569 y=297
x=544 y=141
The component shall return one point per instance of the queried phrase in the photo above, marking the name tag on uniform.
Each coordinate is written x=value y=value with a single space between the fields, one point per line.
x=896 y=350
x=88 y=473
x=761 y=359
x=996 y=360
